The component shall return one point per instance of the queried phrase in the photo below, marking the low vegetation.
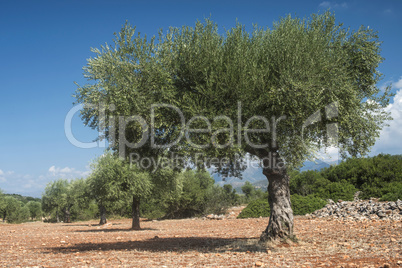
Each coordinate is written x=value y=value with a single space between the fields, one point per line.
x=379 y=177
x=190 y=193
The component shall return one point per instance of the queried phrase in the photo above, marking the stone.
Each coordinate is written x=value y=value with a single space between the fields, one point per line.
x=258 y=264
x=360 y=210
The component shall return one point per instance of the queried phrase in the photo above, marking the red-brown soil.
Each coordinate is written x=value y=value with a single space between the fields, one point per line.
x=200 y=243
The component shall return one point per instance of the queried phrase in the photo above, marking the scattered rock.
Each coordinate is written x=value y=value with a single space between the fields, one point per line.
x=215 y=217
x=360 y=209
x=258 y=264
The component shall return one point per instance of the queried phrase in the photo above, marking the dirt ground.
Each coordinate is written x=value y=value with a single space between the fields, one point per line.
x=200 y=243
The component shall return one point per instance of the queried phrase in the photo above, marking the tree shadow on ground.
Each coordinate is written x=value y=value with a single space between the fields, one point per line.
x=106 y=230
x=171 y=244
x=87 y=224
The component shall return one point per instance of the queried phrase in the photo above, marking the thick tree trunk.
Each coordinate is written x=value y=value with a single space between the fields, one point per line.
x=280 y=224
x=102 y=212
x=57 y=215
x=136 y=214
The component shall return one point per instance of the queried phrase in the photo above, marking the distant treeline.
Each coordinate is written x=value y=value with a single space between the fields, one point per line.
x=16 y=208
x=195 y=193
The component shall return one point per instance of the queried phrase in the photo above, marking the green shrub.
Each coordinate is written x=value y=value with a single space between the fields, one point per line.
x=216 y=201
x=255 y=209
x=392 y=192
x=303 y=205
x=338 y=190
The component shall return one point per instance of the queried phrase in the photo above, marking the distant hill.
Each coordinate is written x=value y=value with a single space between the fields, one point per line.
x=317 y=165
x=24 y=199
x=255 y=176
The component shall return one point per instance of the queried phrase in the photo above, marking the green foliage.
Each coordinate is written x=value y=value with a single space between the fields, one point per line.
x=10 y=207
x=255 y=209
x=21 y=214
x=217 y=200
x=14 y=210
x=24 y=199
x=251 y=193
x=192 y=199
x=338 y=190
x=85 y=212
x=113 y=180
x=315 y=61
x=59 y=197
x=35 y=210
x=302 y=205
x=392 y=192
x=379 y=176
x=230 y=195
x=248 y=189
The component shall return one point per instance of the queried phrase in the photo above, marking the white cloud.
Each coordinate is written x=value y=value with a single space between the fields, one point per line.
x=328 y=4
x=329 y=155
x=325 y=4
x=391 y=136
x=34 y=184
x=67 y=172
x=398 y=84
x=2 y=178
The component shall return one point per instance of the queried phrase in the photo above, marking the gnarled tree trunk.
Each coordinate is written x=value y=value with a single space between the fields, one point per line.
x=67 y=213
x=102 y=212
x=136 y=214
x=280 y=225
x=57 y=215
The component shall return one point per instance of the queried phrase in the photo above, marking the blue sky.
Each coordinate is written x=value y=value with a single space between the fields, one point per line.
x=45 y=44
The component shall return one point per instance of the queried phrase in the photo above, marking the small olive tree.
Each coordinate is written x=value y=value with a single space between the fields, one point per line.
x=113 y=180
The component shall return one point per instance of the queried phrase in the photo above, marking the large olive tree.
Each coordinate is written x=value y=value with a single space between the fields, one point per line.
x=278 y=95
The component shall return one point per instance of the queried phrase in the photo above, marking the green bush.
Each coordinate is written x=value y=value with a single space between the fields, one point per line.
x=255 y=209
x=303 y=205
x=392 y=192
x=21 y=214
x=379 y=176
x=338 y=190
x=216 y=201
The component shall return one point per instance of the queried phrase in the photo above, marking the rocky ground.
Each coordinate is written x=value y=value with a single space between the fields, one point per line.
x=323 y=242
x=360 y=210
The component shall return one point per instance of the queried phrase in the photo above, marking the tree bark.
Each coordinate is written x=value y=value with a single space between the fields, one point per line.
x=67 y=213
x=280 y=225
x=136 y=214
x=57 y=215
x=102 y=212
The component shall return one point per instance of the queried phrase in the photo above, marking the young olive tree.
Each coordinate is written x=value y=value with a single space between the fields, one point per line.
x=113 y=180
x=278 y=95
x=56 y=199
x=35 y=209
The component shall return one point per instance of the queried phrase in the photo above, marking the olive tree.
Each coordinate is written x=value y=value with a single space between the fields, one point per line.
x=35 y=209
x=278 y=95
x=56 y=199
x=113 y=180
